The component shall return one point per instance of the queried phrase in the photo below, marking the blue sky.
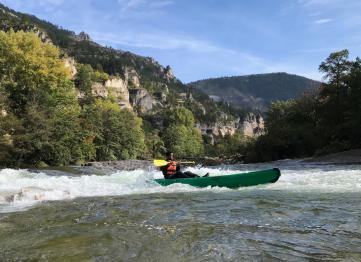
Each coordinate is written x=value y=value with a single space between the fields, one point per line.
x=210 y=38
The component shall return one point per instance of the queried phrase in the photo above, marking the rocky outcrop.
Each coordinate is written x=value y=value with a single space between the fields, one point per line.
x=83 y=37
x=118 y=88
x=141 y=100
x=161 y=72
x=99 y=90
x=168 y=74
x=218 y=129
x=114 y=87
x=185 y=96
x=253 y=125
x=70 y=63
x=160 y=97
x=131 y=77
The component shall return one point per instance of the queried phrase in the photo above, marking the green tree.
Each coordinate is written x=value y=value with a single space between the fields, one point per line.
x=290 y=131
x=41 y=106
x=351 y=124
x=180 y=135
x=334 y=100
x=333 y=93
x=84 y=79
x=179 y=116
x=116 y=133
x=336 y=67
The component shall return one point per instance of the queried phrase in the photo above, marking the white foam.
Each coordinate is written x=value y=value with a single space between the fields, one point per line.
x=320 y=180
x=21 y=188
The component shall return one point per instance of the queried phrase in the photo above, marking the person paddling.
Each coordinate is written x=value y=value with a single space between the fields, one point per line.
x=172 y=169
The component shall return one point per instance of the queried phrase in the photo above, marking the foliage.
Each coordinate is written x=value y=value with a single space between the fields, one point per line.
x=321 y=123
x=117 y=134
x=290 y=131
x=227 y=146
x=179 y=116
x=40 y=103
x=155 y=147
x=41 y=120
x=180 y=135
x=183 y=141
x=99 y=76
x=84 y=78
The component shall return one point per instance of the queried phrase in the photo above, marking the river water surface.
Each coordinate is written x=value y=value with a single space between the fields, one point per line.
x=312 y=213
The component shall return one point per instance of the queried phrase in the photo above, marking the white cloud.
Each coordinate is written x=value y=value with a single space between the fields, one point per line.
x=319 y=2
x=322 y=21
x=156 y=40
x=36 y=2
x=315 y=14
x=53 y=2
x=234 y=61
x=131 y=5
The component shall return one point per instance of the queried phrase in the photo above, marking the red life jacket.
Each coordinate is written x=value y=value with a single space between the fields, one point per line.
x=171 y=168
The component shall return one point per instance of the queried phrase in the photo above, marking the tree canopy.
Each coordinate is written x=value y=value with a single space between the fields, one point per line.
x=41 y=120
x=180 y=135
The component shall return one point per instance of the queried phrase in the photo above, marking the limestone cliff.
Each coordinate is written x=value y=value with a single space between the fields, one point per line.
x=253 y=125
x=114 y=87
x=141 y=100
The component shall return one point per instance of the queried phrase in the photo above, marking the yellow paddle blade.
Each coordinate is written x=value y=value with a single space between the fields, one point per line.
x=158 y=162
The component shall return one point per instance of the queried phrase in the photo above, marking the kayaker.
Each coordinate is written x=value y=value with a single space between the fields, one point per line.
x=172 y=170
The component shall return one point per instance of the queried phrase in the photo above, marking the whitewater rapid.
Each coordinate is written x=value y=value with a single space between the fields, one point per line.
x=21 y=189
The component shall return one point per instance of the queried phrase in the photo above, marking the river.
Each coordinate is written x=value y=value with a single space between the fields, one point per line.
x=312 y=213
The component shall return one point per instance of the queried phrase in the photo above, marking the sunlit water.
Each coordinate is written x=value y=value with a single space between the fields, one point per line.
x=312 y=213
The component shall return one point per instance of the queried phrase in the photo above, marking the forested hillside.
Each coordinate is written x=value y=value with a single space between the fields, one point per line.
x=118 y=105
x=152 y=76
x=256 y=91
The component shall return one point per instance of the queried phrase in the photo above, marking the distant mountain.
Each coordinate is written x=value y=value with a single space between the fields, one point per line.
x=256 y=91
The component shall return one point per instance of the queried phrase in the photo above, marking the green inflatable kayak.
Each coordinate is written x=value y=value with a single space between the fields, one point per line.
x=230 y=181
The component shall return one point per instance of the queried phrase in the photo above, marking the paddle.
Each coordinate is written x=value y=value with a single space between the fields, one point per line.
x=159 y=162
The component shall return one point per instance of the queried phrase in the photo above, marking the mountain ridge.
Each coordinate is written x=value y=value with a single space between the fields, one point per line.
x=256 y=91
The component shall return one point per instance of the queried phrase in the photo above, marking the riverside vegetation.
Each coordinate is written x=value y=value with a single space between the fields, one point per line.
x=43 y=121
x=326 y=122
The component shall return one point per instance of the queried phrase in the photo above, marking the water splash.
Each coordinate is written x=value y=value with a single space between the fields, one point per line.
x=20 y=189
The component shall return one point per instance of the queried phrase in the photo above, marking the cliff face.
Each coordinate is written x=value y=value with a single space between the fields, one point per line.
x=114 y=87
x=141 y=100
x=253 y=125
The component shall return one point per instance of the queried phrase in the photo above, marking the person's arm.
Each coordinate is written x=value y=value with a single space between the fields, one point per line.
x=164 y=170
